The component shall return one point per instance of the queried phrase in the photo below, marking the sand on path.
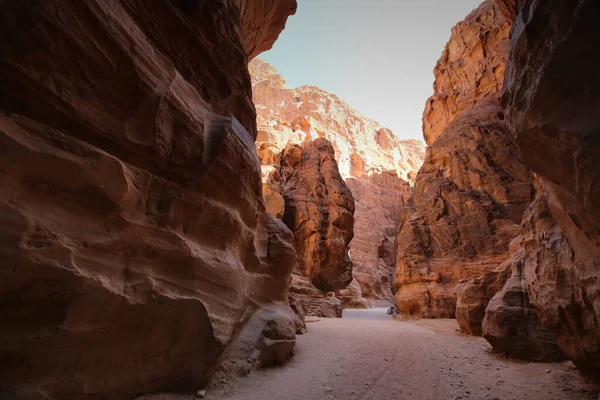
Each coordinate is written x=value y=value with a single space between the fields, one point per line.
x=367 y=355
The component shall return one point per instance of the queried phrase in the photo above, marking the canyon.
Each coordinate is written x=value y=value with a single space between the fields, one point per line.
x=173 y=212
x=373 y=173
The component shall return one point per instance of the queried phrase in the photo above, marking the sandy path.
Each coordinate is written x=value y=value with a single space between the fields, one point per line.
x=374 y=357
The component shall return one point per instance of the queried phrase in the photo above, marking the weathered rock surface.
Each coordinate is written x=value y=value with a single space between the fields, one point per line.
x=378 y=199
x=467 y=204
x=369 y=157
x=472 y=64
x=551 y=97
x=562 y=282
x=362 y=146
x=474 y=295
x=134 y=240
x=319 y=210
x=511 y=324
x=473 y=188
x=262 y=22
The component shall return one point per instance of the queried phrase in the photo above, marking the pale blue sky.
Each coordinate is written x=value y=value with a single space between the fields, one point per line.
x=378 y=55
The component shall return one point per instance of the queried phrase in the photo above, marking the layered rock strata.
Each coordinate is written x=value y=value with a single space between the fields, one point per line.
x=551 y=101
x=473 y=188
x=136 y=249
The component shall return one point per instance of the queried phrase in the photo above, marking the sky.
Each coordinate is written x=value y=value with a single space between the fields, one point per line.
x=377 y=55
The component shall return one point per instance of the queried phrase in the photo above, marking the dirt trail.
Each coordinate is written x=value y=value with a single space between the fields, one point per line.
x=373 y=357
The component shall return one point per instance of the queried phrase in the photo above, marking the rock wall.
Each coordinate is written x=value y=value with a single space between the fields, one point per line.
x=551 y=101
x=472 y=65
x=372 y=161
x=378 y=200
x=511 y=324
x=135 y=242
x=473 y=188
x=468 y=200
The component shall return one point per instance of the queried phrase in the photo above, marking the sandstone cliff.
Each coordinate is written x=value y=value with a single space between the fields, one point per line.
x=373 y=162
x=551 y=97
x=473 y=188
x=137 y=253
x=472 y=65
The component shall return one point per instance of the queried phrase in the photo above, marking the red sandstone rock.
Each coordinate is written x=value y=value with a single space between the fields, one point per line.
x=471 y=68
x=467 y=204
x=319 y=210
x=378 y=199
x=136 y=248
x=551 y=101
x=511 y=324
x=308 y=112
x=562 y=281
x=474 y=295
x=369 y=157
x=473 y=187
x=262 y=21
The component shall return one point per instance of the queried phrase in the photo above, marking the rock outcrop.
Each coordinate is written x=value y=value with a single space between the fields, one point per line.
x=473 y=188
x=319 y=210
x=551 y=97
x=378 y=200
x=511 y=324
x=471 y=68
x=373 y=162
x=136 y=249
x=474 y=295
x=262 y=22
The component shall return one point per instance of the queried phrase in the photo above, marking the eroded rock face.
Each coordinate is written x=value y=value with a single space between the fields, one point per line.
x=468 y=201
x=473 y=188
x=511 y=324
x=372 y=161
x=362 y=146
x=134 y=240
x=319 y=211
x=474 y=295
x=562 y=282
x=262 y=22
x=551 y=101
x=472 y=65
x=378 y=199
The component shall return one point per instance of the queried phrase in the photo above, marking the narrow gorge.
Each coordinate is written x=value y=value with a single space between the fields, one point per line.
x=177 y=219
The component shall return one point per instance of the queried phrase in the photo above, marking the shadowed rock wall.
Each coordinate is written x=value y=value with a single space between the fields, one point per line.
x=134 y=240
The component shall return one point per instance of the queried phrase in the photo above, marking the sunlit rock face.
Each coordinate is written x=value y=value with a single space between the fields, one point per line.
x=472 y=64
x=473 y=188
x=319 y=210
x=374 y=163
x=134 y=240
x=467 y=204
x=551 y=99
x=306 y=113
